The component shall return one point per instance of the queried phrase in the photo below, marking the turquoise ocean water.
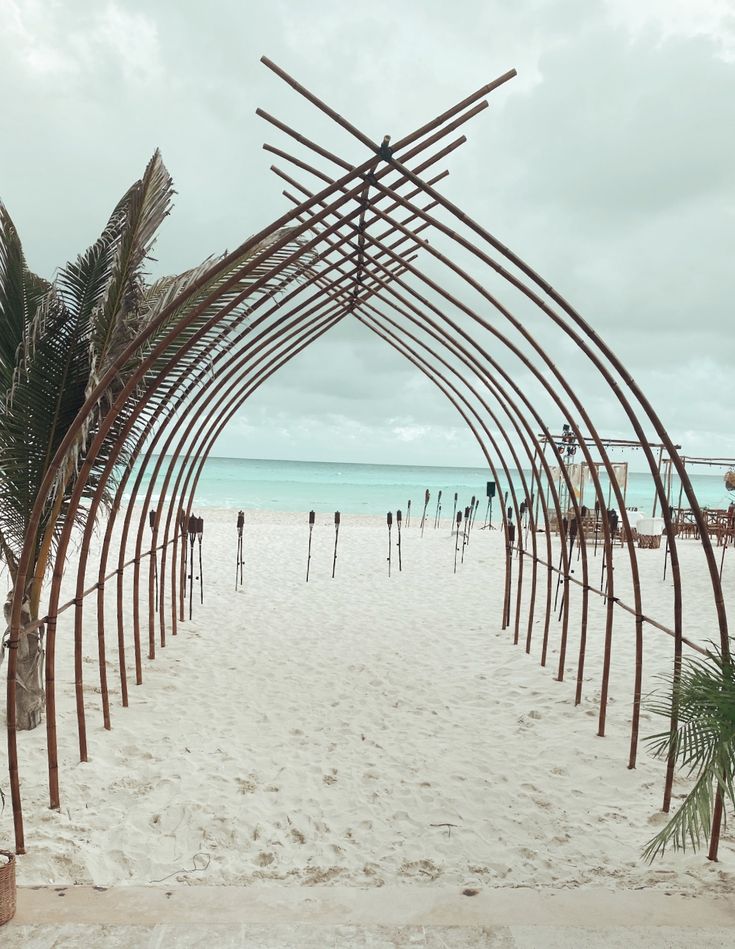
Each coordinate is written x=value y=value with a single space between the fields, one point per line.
x=259 y=484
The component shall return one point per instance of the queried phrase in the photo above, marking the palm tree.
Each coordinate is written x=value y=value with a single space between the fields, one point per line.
x=703 y=743
x=58 y=339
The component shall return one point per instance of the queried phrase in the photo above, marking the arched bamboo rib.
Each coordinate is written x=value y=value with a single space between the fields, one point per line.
x=121 y=488
x=354 y=271
x=608 y=548
x=80 y=573
x=82 y=564
x=456 y=212
x=639 y=431
x=86 y=467
x=655 y=473
x=34 y=520
x=223 y=390
x=584 y=619
x=582 y=413
x=123 y=484
x=166 y=448
x=440 y=379
x=313 y=332
x=165 y=343
x=53 y=611
x=445 y=339
x=192 y=448
x=516 y=417
x=104 y=382
x=380 y=318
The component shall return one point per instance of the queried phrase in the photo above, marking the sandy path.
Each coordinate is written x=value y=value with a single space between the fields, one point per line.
x=332 y=732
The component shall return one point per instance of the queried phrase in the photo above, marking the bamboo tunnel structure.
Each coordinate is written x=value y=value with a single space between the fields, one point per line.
x=353 y=243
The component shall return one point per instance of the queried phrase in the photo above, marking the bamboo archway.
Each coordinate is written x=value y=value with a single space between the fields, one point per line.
x=358 y=242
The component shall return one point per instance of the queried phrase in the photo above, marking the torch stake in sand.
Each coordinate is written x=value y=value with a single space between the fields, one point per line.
x=398 y=525
x=408 y=514
x=389 y=519
x=192 y=538
x=456 y=544
x=464 y=532
x=336 y=539
x=437 y=515
x=573 y=526
x=240 y=559
x=470 y=519
x=200 y=533
x=454 y=511
x=308 y=556
x=509 y=561
x=423 y=516
x=563 y=539
x=152 y=522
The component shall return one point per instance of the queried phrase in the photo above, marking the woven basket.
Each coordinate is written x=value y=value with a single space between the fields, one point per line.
x=7 y=888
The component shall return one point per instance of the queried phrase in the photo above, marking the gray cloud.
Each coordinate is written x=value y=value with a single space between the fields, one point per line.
x=607 y=164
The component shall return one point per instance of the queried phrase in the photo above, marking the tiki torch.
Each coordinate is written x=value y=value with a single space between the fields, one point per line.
x=423 y=516
x=509 y=576
x=398 y=525
x=454 y=511
x=308 y=557
x=464 y=532
x=152 y=522
x=389 y=519
x=240 y=560
x=192 y=526
x=471 y=517
x=336 y=538
x=456 y=544
x=437 y=515
x=408 y=514
x=200 y=534
x=573 y=526
x=563 y=543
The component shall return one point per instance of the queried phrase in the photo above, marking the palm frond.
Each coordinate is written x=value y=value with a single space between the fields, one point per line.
x=703 y=744
x=20 y=294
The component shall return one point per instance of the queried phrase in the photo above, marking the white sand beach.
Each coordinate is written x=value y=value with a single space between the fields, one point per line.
x=362 y=730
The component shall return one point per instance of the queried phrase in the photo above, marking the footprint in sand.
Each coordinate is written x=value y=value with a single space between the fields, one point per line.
x=420 y=869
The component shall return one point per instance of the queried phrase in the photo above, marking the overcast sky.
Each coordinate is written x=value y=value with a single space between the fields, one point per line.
x=608 y=164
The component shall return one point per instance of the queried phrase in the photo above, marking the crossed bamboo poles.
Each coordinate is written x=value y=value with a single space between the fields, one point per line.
x=351 y=271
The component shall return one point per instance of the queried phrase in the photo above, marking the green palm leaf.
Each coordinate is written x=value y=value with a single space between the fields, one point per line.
x=20 y=294
x=703 y=744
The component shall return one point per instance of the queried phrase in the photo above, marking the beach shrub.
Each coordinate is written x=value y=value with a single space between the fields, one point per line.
x=702 y=744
